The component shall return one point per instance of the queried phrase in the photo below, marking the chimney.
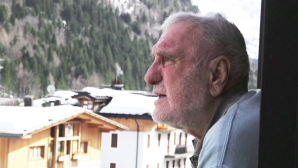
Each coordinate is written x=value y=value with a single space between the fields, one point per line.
x=57 y=102
x=28 y=100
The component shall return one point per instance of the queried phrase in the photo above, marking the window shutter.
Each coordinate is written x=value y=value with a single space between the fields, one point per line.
x=148 y=141
x=159 y=135
x=112 y=165
x=114 y=140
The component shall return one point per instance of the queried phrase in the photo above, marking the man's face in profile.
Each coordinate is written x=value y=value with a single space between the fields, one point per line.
x=178 y=83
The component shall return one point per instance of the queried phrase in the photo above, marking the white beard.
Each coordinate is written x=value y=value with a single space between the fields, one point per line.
x=184 y=103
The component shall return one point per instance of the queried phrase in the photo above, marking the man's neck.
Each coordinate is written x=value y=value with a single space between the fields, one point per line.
x=229 y=98
x=199 y=131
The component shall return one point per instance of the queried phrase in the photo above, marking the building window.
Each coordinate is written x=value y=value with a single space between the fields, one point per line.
x=61 y=130
x=84 y=147
x=53 y=132
x=148 y=145
x=159 y=135
x=167 y=164
x=37 y=152
x=168 y=148
x=185 y=139
x=75 y=146
x=60 y=148
x=68 y=144
x=173 y=163
x=184 y=162
x=178 y=163
x=174 y=138
x=114 y=140
x=69 y=130
x=112 y=165
x=180 y=138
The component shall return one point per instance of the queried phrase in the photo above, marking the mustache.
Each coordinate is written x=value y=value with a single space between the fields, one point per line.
x=159 y=89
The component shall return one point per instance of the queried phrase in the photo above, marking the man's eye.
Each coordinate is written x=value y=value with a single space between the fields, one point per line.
x=166 y=59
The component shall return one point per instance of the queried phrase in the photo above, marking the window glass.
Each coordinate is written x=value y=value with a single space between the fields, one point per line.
x=60 y=148
x=84 y=147
x=61 y=130
x=180 y=138
x=68 y=130
x=36 y=152
x=68 y=144
x=53 y=132
x=159 y=136
x=75 y=144
x=114 y=140
x=31 y=152
x=113 y=165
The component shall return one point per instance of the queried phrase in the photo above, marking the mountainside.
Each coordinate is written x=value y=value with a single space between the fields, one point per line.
x=75 y=43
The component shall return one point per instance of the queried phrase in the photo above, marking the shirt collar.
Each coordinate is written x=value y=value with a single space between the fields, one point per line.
x=230 y=97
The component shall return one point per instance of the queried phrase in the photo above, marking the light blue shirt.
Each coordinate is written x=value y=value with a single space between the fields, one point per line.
x=232 y=142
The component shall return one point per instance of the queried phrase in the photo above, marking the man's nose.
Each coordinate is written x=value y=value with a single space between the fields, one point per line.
x=153 y=75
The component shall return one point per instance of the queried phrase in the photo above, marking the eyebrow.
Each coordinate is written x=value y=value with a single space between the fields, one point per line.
x=164 y=54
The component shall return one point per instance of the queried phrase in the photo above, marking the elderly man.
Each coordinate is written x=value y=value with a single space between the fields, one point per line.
x=200 y=73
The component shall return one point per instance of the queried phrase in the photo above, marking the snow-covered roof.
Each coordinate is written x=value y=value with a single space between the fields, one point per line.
x=101 y=92
x=145 y=93
x=64 y=96
x=64 y=93
x=131 y=104
x=39 y=102
x=123 y=102
x=18 y=121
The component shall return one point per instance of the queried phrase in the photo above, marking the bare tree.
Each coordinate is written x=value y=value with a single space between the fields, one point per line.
x=25 y=81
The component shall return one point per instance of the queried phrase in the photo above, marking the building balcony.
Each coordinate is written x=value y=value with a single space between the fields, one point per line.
x=163 y=127
x=180 y=151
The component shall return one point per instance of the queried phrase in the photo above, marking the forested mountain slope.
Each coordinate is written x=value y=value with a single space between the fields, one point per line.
x=75 y=43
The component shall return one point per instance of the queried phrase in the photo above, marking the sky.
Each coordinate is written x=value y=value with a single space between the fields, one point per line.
x=245 y=14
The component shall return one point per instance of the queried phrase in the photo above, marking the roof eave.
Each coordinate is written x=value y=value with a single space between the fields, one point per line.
x=144 y=116
x=9 y=135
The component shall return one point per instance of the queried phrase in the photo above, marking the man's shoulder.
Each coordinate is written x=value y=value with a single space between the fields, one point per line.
x=235 y=135
x=245 y=110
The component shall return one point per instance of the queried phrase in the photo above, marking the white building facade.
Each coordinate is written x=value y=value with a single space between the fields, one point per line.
x=146 y=144
x=155 y=149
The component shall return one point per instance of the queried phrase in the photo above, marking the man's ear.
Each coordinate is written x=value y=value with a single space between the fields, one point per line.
x=219 y=69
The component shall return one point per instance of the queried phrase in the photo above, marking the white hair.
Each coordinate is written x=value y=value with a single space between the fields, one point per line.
x=222 y=37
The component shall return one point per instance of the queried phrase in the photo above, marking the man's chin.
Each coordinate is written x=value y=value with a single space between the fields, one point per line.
x=157 y=117
x=162 y=117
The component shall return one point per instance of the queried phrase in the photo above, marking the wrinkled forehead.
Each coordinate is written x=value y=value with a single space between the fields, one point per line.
x=179 y=35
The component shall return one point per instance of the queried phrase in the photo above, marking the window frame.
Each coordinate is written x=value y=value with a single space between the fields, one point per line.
x=42 y=152
x=85 y=147
x=114 y=142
